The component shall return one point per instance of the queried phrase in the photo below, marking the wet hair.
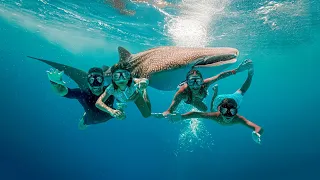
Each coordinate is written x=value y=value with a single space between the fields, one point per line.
x=229 y=103
x=120 y=66
x=193 y=72
x=95 y=70
x=188 y=90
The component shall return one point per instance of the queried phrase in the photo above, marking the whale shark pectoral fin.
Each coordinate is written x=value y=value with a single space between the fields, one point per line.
x=77 y=75
x=124 y=54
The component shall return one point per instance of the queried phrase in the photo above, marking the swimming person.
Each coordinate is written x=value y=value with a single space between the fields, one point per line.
x=195 y=89
x=86 y=96
x=225 y=110
x=125 y=88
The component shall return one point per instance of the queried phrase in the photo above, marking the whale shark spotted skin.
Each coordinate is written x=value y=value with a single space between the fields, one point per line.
x=167 y=66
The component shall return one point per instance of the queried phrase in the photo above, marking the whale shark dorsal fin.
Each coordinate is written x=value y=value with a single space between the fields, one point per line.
x=123 y=54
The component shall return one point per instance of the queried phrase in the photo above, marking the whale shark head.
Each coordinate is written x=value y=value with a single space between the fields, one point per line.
x=167 y=66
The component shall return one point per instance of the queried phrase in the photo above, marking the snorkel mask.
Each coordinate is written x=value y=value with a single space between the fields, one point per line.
x=228 y=109
x=95 y=80
x=194 y=82
x=121 y=76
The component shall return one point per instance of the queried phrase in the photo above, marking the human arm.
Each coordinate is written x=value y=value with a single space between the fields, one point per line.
x=141 y=83
x=175 y=102
x=101 y=105
x=250 y=124
x=257 y=130
x=246 y=64
x=215 y=94
x=205 y=115
x=225 y=74
x=61 y=90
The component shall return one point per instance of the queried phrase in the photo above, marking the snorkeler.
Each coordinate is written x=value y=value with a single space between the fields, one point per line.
x=86 y=96
x=225 y=109
x=194 y=91
x=125 y=88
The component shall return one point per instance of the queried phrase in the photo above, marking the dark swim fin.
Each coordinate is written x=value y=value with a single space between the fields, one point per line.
x=77 y=75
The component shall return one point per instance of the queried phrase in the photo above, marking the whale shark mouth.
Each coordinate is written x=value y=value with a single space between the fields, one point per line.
x=210 y=61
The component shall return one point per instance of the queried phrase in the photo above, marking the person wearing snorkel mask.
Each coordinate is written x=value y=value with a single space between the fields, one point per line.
x=87 y=97
x=225 y=110
x=194 y=89
x=125 y=89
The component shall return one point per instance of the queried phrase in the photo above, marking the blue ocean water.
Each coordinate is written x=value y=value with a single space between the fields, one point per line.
x=39 y=135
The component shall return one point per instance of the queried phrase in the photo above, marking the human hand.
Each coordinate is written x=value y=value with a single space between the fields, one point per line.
x=55 y=76
x=142 y=85
x=246 y=64
x=118 y=114
x=121 y=106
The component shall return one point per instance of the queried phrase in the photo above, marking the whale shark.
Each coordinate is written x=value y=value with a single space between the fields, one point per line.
x=165 y=67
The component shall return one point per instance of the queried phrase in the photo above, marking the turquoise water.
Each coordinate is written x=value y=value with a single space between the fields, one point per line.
x=39 y=136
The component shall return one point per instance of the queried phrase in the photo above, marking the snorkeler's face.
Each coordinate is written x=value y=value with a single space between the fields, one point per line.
x=121 y=77
x=195 y=82
x=228 y=110
x=95 y=82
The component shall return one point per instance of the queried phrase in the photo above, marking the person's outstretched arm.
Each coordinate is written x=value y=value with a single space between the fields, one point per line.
x=175 y=102
x=101 y=105
x=205 y=115
x=246 y=85
x=225 y=74
x=246 y=64
x=250 y=124
x=61 y=90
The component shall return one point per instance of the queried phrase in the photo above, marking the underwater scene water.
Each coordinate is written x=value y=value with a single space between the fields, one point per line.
x=40 y=138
